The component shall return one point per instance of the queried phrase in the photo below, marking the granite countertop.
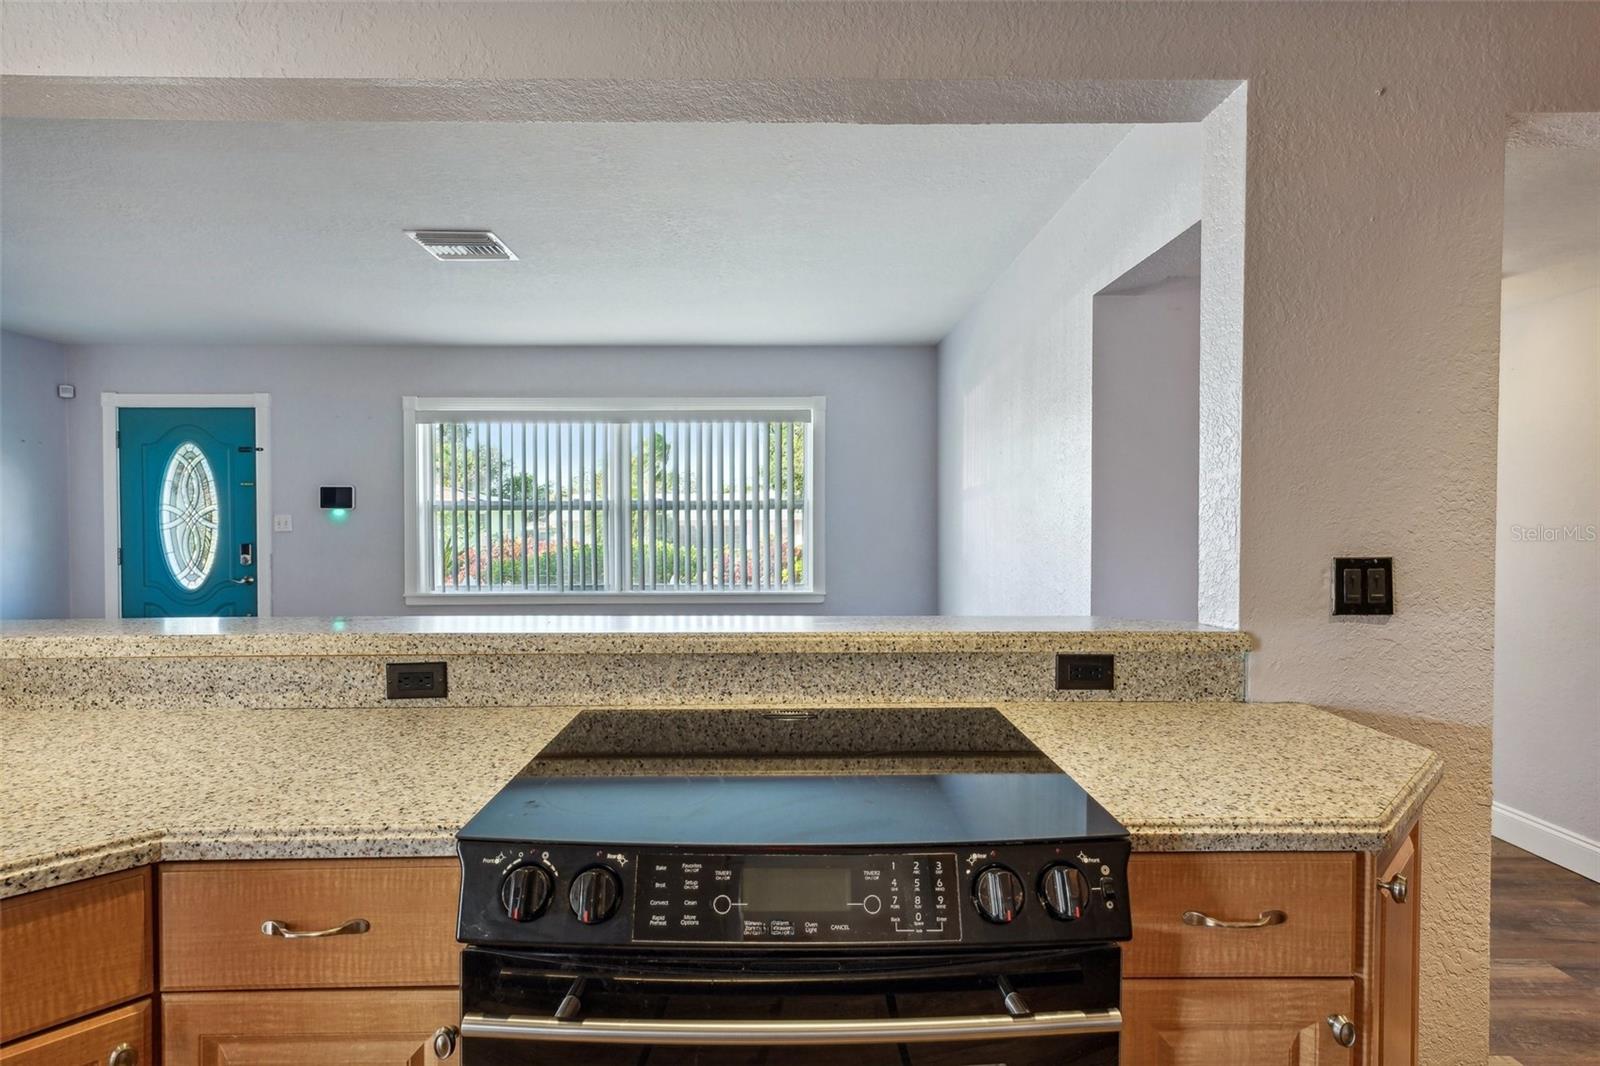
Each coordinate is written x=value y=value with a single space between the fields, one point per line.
x=85 y=792
x=620 y=634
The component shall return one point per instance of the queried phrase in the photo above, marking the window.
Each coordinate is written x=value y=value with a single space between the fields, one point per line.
x=591 y=500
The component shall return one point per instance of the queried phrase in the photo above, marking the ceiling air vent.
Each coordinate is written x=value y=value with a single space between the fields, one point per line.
x=461 y=245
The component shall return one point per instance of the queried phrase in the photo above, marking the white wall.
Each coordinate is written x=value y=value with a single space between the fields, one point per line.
x=336 y=420
x=33 y=479
x=1144 y=557
x=1015 y=388
x=1547 y=575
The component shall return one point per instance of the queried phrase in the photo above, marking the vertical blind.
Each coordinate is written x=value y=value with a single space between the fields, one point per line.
x=549 y=504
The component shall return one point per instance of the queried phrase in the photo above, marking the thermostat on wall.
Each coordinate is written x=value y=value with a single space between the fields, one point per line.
x=339 y=497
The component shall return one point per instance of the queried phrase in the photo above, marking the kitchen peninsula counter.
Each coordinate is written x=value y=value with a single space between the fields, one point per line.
x=90 y=790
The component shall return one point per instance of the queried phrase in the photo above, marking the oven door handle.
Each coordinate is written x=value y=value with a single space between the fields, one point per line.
x=792 y=1033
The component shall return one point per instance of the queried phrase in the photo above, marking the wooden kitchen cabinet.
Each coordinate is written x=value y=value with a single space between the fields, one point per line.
x=67 y=952
x=1282 y=915
x=386 y=1027
x=77 y=962
x=124 y=1037
x=1396 y=949
x=212 y=915
x=1238 y=1022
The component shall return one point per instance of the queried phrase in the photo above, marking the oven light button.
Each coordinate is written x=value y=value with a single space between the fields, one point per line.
x=525 y=892
x=594 y=895
x=998 y=894
x=1065 y=891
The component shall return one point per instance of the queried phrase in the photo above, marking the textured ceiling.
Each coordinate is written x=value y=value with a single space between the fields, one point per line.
x=645 y=233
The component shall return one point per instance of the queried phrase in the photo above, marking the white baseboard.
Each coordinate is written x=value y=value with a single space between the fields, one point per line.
x=1547 y=840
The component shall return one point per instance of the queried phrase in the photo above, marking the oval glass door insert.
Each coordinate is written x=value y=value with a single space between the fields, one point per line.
x=189 y=516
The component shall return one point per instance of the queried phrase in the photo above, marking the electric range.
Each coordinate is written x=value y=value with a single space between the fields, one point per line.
x=923 y=885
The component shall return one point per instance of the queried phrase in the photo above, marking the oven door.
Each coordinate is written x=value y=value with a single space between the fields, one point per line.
x=948 y=1009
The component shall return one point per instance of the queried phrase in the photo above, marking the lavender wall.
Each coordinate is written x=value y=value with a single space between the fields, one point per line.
x=336 y=420
x=33 y=471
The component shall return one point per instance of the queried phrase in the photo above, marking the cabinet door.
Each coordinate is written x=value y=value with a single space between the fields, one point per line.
x=391 y=1027
x=1396 y=948
x=90 y=1042
x=1253 y=1022
x=69 y=951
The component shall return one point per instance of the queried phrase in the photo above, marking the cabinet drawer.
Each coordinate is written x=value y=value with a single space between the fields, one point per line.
x=374 y=1028
x=1237 y=1022
x=1314 y=892
x=90 y=1042
x=212 y=916
x=70 y=951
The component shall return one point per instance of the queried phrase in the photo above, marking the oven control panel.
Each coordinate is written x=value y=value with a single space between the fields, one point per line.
x=531 y=894
x=797 y=899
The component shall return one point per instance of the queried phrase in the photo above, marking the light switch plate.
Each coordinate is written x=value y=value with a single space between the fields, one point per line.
x=282 y=523
x=1363 y=585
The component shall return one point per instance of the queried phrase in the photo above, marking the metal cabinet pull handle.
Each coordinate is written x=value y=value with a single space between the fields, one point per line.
x=1267 y=918
x=444 y=1041
x=1343 y=1029
x=1397 y=887
x=273 y=927
x=791 y=1033
x=123 y=1055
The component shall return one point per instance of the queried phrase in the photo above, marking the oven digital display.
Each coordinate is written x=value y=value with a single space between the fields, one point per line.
x=777 y=889
x=797 y=899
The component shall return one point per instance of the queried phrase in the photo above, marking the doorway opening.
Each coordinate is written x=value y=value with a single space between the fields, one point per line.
x=1145 y=539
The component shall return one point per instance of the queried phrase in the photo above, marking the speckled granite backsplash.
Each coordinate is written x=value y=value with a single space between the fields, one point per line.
x=494 y=680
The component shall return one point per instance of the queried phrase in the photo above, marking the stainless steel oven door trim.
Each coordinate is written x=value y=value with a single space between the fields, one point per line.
x=793 y=1033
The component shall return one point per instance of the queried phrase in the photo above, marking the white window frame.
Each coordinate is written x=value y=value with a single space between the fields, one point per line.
x=111 y=404
x=416 y=518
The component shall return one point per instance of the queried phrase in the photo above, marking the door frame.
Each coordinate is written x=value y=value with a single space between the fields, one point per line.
x=111 y=403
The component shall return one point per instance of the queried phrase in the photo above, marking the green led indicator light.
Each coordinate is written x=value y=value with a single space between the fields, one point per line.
x=338 y=514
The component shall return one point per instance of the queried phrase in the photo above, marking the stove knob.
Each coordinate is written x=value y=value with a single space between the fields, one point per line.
x=998 y=893
x=594 y=895
x=525 y=892
x=1065 y=892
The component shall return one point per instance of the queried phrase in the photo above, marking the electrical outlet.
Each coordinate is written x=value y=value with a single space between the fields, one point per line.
x=1086 y=671
x=418 y=681
x=1363 y=585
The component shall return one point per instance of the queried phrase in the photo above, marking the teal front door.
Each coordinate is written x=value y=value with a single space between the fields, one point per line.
x=187 y=495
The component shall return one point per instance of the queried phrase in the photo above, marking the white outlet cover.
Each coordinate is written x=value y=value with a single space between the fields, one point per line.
x=282 y=523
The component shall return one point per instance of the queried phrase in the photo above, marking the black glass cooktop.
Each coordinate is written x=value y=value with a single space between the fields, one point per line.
x=755 y=778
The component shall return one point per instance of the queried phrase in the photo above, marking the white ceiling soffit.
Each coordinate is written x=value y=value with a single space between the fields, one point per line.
x=626 y=233
x=1552 y=219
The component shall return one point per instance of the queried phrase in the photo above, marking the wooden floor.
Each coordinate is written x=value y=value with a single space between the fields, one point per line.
x=1544 y=962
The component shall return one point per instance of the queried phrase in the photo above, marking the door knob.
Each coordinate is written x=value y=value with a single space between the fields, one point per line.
x=444 y=1041
x=244 y=580
x=1343 y=1029
x=122 y=1055
x=1397 y=887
